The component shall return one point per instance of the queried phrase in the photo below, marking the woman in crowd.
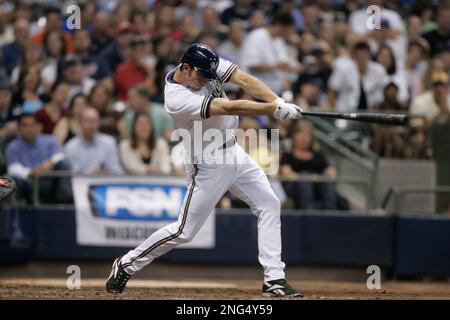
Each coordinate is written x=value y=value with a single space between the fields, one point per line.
x=55 y=50
x=26 y=96
x=54 y=110
x=69 y=126
x=304 y=159
x=144 y=153
x=100 y=99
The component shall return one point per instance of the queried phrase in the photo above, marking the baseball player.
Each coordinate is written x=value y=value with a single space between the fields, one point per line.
x=193 y=92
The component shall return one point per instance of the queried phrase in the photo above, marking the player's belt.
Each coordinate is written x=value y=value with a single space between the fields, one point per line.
x=228 y=144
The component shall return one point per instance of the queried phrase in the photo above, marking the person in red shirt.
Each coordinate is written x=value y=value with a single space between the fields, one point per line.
x=53 y=111
x=138 y=69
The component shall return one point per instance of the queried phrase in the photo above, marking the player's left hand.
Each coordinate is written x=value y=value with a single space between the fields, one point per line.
x=287 y=111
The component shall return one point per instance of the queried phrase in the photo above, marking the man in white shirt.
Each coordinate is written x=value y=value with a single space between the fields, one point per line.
x=265 y=53
x=91 y=152
x=356 y=83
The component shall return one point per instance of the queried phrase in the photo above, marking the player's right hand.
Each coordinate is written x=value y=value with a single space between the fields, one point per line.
x=287 y=111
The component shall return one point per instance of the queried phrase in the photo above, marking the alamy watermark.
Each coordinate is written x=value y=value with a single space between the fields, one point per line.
x=74 y=280
x=211 y=146
x=73 y=21
x=374 y=280
x=373 y=20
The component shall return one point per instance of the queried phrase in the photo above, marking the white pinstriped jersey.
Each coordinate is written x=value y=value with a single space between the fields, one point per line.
x=187 y=106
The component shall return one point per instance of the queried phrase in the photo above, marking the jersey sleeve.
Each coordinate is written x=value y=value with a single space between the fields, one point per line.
x=225 y=69
x=190 y=106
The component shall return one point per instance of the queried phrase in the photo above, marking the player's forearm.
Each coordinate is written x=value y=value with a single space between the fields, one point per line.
x=253 y=86
x=241 y=107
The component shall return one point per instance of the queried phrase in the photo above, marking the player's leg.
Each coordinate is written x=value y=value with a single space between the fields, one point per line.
x=253 y=187
x=207 y=185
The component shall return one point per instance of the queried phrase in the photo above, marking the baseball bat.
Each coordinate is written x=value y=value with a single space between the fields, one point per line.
x=381 y=118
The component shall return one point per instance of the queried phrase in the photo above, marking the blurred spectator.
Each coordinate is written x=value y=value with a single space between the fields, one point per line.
x=11 y=53
x=310 y=16
x=435 y=66
x=356 y=83
x=54 y=110
x=74 y=76
x=435 y=101
x=309 y=95
x=91 y=152
x=53 y=23
x=165 y=23
x=100 y=99
x=258 y=147
x=8 y=126
x=93 y=66
x=358 y=18
x=119 y=50
x=258 y=20
x=304 y=159
x=389 y=141
x=385 y=57
x=211 y=22
x=144 y=152
x=26 y=98
x=416 y=65
x=189 y=30
x=100 y=37
x=55 y=50
x=32 y=154
x=231 y=48
x=6 y=32
x=189 y=8
x=69 y=126
x=138 y=69
x=264 y=52
x=139 y=101
x=316 y=68
x=32 y=56
x=439 y=39
x=240 y=10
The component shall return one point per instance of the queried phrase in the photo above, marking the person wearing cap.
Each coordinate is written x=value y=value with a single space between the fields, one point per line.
x=433 y=102
x=138 y=69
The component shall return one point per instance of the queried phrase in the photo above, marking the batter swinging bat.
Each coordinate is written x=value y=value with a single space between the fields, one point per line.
x=382 y=118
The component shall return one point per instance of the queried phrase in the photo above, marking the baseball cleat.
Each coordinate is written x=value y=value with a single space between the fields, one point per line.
x=118 y=278
x=280 y=288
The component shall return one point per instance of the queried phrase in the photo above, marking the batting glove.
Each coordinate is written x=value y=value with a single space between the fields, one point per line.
x=287 y=110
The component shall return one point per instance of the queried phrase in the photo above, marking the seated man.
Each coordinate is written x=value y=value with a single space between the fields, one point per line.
x=33 y=153
x=91 y=152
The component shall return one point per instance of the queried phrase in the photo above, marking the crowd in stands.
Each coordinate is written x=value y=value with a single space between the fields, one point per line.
x=90 y=100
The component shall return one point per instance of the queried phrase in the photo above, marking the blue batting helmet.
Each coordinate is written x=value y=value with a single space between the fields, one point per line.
x=203 y=59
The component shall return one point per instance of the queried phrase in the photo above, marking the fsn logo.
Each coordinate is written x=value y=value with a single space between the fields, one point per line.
x=373 y=17
x=73 y=21
x=374 y=280
x=74 y=280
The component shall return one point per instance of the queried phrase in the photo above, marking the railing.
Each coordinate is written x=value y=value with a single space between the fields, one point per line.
x=397 y=194
x=351 y=164
x=357 y=181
